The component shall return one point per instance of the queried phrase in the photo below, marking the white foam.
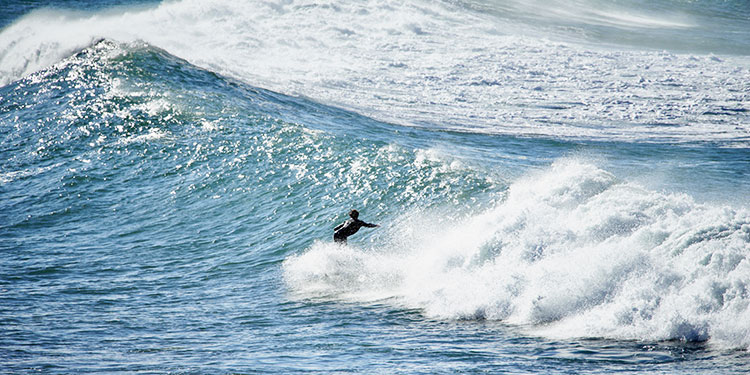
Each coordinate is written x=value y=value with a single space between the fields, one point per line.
x=571 y=252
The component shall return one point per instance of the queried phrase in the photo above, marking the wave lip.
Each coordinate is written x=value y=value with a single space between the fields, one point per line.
x=571 y=252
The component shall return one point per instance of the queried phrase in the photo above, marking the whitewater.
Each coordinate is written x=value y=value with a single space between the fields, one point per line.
x=561 y=186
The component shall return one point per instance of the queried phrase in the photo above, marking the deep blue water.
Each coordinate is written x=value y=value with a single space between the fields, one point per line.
x=562 y=197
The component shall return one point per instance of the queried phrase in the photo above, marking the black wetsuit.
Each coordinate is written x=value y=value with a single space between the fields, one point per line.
x=349 y=227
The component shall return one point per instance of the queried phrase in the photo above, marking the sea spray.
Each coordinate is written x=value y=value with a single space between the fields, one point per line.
x=573 y=252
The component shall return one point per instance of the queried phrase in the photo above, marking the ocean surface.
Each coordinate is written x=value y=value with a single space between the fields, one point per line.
x=562 y=186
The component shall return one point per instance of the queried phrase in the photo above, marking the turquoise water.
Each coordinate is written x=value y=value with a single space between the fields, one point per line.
x=551 y=200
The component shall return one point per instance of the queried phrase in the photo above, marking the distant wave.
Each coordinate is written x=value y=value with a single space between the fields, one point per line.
x=481 y=67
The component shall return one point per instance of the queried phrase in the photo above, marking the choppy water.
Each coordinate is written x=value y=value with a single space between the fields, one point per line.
x=561 y=188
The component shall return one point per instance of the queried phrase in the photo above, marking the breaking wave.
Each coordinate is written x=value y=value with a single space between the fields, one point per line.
x=571 y=251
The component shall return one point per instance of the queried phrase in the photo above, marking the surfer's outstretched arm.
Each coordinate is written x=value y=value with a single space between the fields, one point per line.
x=349 y=227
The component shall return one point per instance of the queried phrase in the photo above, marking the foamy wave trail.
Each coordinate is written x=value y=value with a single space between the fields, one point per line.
x=478 y=66
x=571 y=251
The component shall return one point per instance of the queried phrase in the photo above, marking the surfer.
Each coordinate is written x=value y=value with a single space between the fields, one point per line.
x=349 y=227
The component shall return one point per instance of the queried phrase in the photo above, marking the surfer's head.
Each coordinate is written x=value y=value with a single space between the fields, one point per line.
x=353 y=214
